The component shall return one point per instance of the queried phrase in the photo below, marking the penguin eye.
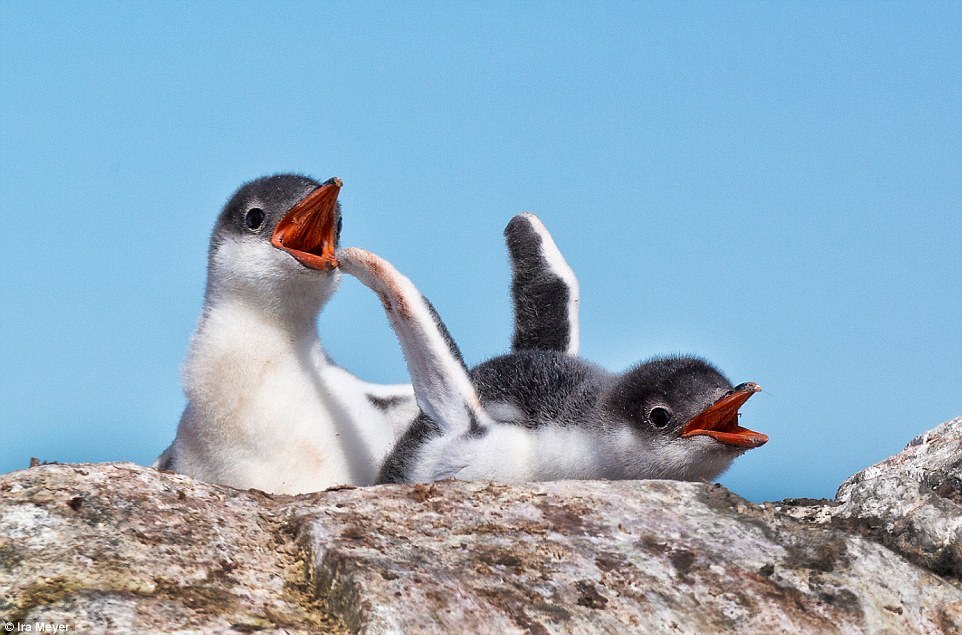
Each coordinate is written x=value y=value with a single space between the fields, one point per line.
x=254 y=218
x=659 y=417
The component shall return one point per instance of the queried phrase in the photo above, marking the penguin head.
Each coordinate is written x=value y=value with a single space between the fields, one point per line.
x=275 y=239
x=679 y=418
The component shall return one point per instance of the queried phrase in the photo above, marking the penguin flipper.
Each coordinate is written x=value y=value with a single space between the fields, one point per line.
x=165 y=462
x=442 y=386
x=544 y=289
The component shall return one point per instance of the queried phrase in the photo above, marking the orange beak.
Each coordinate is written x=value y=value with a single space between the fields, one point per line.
x=720 y=420
x=308 y=230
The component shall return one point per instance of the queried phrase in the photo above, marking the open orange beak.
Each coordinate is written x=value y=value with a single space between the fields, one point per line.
x=308 y=231
x=720 y=420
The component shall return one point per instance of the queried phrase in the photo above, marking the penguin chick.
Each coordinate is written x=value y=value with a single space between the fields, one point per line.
x=266 y=408
x=544 y=414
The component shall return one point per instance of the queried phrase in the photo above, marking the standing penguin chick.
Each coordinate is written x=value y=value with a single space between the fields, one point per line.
x=266 y=407
x=542 y=414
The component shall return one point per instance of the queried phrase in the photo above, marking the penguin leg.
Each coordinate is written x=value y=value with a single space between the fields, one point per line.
x=442 y=386
x=544 y=289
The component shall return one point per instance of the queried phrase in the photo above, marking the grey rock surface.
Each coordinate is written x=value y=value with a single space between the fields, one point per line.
x=607 y=557
x=124 y=548
x=117 y=548
x=912 y=502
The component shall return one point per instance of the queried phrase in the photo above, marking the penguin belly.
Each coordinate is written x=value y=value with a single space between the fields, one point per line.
x=266 y=410
x=509 y=453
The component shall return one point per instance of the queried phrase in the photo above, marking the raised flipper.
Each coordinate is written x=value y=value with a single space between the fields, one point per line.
x=543 y=287
x=442 y=387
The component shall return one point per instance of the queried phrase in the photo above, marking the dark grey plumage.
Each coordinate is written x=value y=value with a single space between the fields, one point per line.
x=547 y=387
x=541 y=294
x=404 y=455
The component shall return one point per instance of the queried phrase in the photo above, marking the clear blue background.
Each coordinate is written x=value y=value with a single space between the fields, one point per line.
x=777 y=187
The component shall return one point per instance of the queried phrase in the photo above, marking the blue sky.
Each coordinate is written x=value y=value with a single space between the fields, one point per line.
x=776 y=187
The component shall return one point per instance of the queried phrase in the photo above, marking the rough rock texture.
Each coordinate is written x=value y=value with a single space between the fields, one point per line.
x=651 y=556
x=912 y=502
x=123 y=548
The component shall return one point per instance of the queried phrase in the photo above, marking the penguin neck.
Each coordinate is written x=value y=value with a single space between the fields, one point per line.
x=290 y=309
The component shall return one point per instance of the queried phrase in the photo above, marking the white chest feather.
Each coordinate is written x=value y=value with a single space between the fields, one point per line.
x=511 y=453
x=266 y=409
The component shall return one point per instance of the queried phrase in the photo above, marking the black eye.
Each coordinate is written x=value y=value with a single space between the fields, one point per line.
x=659 y=417
x=254 y=218
x=340 y=224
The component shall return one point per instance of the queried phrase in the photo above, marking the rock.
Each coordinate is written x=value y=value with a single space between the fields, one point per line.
x=123 y=548
x=606 y=557
x=910 y=502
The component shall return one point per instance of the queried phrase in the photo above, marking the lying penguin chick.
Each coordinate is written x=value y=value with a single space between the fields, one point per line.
x=266 y=408
x=542 y=415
